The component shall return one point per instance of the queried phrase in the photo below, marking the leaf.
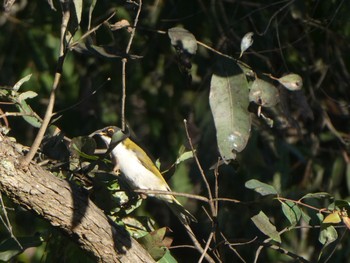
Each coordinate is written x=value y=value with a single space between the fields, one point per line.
x=333 y=218
x=20 y=82
x=78 y=6
x=246 y=42
x=327 y=235
x=4 y=92
x=156 y=242
x=31 y=117
x=91 y=9
x=183 y=39
x=83 y=146
x=263 y=93
x=262 y=222
x=167 y=258
x=316 y=195
x=260 y=187
x=184 y=156
x=229 y=105
x=291 y=81
x=26 y=95
x=292 y=211
x=305 y=217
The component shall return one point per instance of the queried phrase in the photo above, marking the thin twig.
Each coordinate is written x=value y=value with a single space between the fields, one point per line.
x=124 y=61
x=223 y=199
x=183 y=246
x=89 y=32
x=207 y=245
x=8 y=224
x=211 y=203
x=337 y=246
x=48 y=114
x=159 y=192
x=198 y=245
x=278 y=248
x=16 y=114
x=83 y=99
x=231 y=246
x=303 y=204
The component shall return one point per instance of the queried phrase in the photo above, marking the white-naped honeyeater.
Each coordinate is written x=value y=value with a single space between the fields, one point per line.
x=139 y=170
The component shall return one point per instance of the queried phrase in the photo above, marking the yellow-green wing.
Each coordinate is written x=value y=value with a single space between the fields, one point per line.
x=143 y=157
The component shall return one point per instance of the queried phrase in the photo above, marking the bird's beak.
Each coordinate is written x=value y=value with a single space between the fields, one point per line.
x=98 y=132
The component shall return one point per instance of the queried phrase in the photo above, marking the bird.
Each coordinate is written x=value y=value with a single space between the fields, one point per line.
x=139 y=170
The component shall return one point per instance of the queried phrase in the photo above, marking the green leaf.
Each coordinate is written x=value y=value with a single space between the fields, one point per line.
x=229 y=105
x=83 y=146
x=292 y=211
x=263 y=93
x=318 y=195
x=27 y=95
x=91 y=9
x=20 y=82
x=263 y=223
x=305 y=217
x=291 y=81
x=328 y=234
x=260 y=187
x=183 y=39
x=156 y=243
x=167 y=258
x=184 y=156
x=78 y=6
x=31 y=117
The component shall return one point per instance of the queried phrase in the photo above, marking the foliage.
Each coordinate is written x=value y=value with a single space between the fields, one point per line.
x=275 y=110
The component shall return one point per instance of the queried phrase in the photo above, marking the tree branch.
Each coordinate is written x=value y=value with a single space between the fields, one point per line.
x=67 y=207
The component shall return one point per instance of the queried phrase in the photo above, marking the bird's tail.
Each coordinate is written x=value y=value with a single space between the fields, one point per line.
x=185 y=216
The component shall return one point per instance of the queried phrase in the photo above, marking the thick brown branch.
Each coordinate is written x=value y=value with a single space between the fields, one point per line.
x=67 y=207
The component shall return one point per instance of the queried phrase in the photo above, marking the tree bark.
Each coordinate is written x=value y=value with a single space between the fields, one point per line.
x=65 y=206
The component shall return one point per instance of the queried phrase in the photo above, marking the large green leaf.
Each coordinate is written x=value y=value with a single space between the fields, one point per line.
x=156 y=243
x=292 y=212
x=229 y=105
x=262 y=222
x=328 y=234
x=78 y=6
x=260 y=187
x=263 y=93
x=21 y=81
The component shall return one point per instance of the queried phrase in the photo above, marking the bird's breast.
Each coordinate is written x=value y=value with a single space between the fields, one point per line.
x=137 y=175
